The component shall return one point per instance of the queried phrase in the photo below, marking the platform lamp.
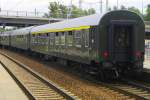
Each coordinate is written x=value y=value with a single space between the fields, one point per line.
x=142 y=7
x=107 y=5
x=117 y=4
x=101 y=6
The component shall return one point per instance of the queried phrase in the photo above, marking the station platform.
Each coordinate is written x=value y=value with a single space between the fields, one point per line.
x=147 y=64
x=9 y=90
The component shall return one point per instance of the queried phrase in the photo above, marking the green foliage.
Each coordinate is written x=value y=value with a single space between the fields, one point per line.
x=91 y=11
x=115 y=8
x=136 y=10
x=123 y=7
x=147 y=16
x=54 y=9
x=109 y=9
x=57 y=10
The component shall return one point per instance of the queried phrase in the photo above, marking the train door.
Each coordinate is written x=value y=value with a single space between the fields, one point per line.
x=122 y=39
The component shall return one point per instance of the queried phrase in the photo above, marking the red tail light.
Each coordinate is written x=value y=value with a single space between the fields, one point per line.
x=138 y=54
x=105 y=54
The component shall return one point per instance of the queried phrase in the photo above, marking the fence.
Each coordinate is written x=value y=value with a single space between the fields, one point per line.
x=147 y=49
x=21 y=13
x=37 y=14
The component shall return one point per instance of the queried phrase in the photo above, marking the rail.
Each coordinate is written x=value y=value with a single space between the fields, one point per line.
x=131 y=89
x=39 y=82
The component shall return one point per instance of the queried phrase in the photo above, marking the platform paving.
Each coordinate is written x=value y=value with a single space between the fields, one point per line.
x=147 y=64
x=9 y=90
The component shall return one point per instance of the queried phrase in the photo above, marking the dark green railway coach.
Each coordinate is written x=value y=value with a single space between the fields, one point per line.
x=108 y=44
x=20 y=38
x=5 y=39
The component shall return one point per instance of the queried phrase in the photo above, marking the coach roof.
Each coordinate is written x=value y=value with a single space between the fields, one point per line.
x=22 y=31
x=68 y=25
x=5 y=33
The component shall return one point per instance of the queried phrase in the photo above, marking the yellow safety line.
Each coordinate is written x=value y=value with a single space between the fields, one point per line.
x=61 y=30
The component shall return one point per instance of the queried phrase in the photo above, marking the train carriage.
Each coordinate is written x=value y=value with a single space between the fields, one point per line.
x=5 y=38
x=114 y=40
x=68 y=39
x=20 y=38
x=0 y=39
x=124 y=32
x=108 y=44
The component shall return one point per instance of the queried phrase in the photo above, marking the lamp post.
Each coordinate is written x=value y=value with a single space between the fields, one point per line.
x=142 y=7
x=117 y=4
x=0 y=7
x=107 y=5
x=70 y=10
x=101 y=6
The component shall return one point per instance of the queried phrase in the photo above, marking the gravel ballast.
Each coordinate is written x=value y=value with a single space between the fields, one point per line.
x=84 y=89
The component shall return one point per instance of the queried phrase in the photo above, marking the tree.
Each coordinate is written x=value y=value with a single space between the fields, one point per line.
x=63 y=11
x=147 y=16
x=57 y=10
x=54 y=9
x=91 y=11
x=123 y=7
x=76 y=12
x=115 y=8
x=136 y=10
x=109 y=9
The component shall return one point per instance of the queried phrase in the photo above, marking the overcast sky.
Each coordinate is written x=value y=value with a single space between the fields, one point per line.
x=42 y=5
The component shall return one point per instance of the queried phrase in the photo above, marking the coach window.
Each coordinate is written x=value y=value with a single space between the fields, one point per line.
x=23 y=37
x=39 y=39
x=33 y=35
x=33 y=38
x=44 y=39
x=3 y=38
x=47 y=34
x=86 y=37
x=70 y=38
x=78 y=37
x=56 y=38
x=36 y=38
x=19 y=37
x=63 y=38
x=52 y=35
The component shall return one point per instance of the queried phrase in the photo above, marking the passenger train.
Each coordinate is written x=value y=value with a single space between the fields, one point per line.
x=107 y=44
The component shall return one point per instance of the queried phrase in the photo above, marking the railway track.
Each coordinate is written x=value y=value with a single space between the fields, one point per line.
x=34 y=85
x=132 y=89
x=36 y=90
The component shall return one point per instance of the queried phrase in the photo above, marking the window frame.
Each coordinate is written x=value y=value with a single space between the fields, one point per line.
x=78 y=39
